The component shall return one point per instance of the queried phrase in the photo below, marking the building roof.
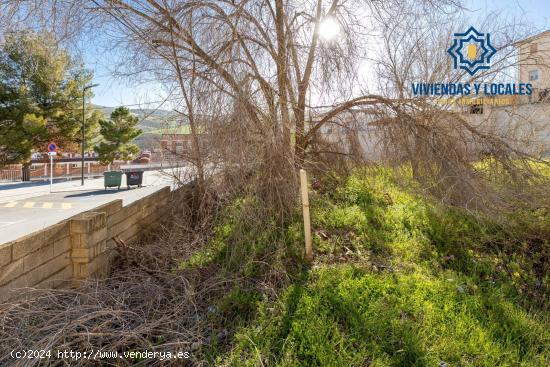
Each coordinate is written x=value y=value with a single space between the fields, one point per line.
x=531 y=38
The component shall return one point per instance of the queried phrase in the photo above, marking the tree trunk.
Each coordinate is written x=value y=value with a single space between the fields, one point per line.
x=26 y=172
x=300 y=148
x=282 y=74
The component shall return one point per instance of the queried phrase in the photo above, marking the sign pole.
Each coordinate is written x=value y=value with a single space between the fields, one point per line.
x=51 y=172
x=52 y=148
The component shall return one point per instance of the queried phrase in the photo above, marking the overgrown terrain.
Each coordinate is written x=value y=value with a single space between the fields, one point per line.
x=397 y=280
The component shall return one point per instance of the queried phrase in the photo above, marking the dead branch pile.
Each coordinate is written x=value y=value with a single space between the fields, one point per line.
x=143 y=305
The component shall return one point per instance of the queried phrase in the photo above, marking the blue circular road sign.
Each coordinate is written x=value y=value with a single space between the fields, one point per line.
x=52 y=147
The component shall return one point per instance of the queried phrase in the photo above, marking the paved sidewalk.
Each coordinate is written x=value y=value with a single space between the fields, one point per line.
x=29 y=207
x=23 y=190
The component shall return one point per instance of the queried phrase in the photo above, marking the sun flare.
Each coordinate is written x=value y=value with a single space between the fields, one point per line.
x=329 y=29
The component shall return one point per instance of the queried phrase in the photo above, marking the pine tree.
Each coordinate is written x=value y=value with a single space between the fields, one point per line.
x=41 y=88
x=118 y=134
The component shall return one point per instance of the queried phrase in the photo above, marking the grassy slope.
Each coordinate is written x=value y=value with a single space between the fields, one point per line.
x=182 y=129
x=397 y=281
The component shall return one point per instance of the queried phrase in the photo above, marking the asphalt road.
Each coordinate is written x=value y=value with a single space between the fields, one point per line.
x=31 y=208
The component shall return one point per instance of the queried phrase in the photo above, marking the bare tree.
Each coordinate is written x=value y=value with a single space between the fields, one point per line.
x=268 y=62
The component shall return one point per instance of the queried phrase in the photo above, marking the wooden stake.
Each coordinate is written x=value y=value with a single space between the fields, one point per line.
x=305 y=208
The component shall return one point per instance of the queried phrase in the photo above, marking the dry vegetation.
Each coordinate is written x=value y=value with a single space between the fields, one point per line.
x=149 y=301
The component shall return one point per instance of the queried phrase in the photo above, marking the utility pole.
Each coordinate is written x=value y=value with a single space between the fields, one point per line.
x=84 y=129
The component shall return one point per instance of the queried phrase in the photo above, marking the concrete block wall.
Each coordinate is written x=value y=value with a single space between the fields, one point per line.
x=77 y=248
x=41 y=259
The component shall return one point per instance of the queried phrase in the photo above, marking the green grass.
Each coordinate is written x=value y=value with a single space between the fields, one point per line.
x=397 y=281
x=182 y=129
x=346 y=316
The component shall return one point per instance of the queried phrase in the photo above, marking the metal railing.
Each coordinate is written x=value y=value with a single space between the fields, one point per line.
x=10 y=175
x=41 y=172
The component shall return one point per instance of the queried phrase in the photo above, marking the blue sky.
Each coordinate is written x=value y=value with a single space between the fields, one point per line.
x=535 y=11
x=115 y=92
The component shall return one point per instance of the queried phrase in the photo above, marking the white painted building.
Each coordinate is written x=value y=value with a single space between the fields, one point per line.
x=521 y=121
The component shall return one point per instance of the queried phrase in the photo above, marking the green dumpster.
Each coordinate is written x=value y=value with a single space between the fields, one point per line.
x=112 y=179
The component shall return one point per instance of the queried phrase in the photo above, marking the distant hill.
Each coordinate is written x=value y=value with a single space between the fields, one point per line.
x=151 y=121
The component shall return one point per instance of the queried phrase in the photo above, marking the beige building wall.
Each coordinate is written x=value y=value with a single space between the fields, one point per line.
x=534 y=63
x=525 y=126
x=521 y=121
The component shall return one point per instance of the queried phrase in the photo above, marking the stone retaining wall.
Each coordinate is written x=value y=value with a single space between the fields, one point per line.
x=77 y=248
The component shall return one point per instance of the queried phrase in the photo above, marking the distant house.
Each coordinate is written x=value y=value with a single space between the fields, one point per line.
x=178 y=142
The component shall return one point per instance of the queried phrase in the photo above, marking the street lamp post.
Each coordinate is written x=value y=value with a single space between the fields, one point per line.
x=84 y=129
